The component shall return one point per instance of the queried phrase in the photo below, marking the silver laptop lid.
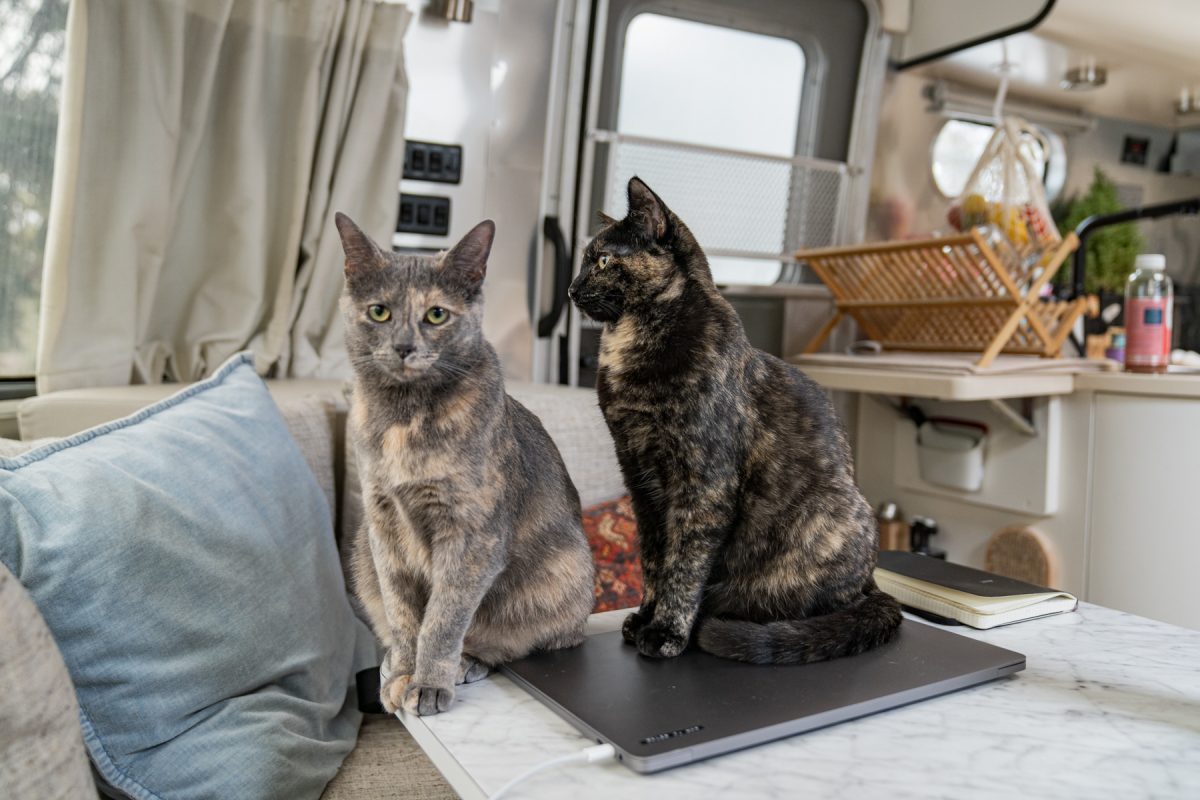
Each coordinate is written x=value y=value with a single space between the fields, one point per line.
x=664 y=713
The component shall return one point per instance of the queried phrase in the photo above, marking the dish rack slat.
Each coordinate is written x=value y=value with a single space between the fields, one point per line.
x=961 y=293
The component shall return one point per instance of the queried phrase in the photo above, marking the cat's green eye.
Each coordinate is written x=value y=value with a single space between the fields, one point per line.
x=437 y=315
x=379 y=313
x=602 y=262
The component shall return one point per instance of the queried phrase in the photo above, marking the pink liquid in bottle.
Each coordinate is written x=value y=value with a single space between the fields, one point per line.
x=1149 y=299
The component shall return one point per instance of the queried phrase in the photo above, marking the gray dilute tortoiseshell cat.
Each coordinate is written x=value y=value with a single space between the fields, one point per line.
x=754 y=537
x=472 y=552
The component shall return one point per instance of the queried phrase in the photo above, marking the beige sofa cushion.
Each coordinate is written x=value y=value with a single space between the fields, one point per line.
x=572 y=418
x=41 y=746
x=64 y=413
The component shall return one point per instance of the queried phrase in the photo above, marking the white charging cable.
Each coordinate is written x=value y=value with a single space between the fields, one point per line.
x=589 y=755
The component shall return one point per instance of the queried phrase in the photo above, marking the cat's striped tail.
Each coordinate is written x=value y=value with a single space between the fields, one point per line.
x=872 y=621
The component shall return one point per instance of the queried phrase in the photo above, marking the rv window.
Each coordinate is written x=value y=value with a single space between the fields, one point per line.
x=703 y=84
x=31 y=61
x=960 y=143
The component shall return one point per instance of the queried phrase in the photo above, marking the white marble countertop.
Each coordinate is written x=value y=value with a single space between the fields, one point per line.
x=1179 y=383
x=1108 y=706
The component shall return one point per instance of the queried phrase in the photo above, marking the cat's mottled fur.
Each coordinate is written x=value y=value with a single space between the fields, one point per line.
x=472 y=552
x=754 y=538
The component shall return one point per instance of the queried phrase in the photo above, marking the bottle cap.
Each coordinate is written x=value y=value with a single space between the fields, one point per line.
x=925 y=523
x=888 y=511
x=1150 y=261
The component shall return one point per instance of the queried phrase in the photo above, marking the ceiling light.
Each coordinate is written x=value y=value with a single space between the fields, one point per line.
x=1084 y=78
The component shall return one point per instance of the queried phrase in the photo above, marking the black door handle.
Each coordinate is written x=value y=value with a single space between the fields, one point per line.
x=562 y=276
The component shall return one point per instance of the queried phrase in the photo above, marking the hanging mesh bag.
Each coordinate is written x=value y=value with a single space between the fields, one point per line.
x=1004 y=193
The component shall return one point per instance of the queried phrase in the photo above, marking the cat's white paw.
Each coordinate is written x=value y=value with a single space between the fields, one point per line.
x=391 y=694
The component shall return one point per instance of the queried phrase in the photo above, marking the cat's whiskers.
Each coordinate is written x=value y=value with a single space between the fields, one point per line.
x=363 y=363
x=451 y=368
x=610 y=310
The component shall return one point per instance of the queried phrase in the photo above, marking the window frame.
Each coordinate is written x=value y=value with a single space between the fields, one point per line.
x=803 y=72
x=803 y=135
x=17 y=388
x=1054 y=173
x=812 y=81
x=19 y=383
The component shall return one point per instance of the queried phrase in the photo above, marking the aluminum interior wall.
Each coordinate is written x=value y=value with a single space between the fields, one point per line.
x=489 y=85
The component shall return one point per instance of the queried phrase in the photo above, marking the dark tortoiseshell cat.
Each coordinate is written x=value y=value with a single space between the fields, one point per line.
x=753 y=534
x=472 y=550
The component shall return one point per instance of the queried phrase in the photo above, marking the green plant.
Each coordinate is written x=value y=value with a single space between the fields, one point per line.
x=1110 y=251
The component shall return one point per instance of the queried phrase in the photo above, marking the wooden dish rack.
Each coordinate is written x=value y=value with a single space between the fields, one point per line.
x=962 y=293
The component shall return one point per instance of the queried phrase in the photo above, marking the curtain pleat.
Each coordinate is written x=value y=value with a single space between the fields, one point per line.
x=360 y=156
x=190 y=161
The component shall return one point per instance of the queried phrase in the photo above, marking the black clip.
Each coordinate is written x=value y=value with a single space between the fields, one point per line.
x=367 y=686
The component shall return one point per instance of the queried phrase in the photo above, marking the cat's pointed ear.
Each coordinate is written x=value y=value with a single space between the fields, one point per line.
x=466 y=262
x=605 y=219
x=361 y=252
x=647 y=211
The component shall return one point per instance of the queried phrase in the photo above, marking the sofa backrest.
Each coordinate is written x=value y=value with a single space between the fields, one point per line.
x=315 y=411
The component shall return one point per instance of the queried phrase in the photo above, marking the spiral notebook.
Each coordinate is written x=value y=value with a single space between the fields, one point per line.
x=961 y=594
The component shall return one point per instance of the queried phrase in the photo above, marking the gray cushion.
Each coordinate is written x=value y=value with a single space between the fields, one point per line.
x=41 y=748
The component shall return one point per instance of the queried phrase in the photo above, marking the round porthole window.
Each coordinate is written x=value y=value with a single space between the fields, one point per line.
x=960 y=143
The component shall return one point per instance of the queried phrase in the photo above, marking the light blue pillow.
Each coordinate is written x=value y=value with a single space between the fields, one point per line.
x=184 y=561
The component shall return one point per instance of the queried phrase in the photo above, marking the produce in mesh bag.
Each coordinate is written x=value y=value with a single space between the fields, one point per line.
x=1005 y=192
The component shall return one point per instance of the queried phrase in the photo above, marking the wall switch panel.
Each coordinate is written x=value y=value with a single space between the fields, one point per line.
x=420 y=213
x=428 y=161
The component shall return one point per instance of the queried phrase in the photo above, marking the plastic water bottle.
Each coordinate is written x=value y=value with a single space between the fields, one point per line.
x=1149 y=298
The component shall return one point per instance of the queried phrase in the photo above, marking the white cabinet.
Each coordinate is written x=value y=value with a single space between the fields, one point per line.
x=1144 y=514
x=1116 y=498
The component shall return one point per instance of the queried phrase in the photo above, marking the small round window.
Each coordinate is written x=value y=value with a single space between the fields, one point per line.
x=959 y=144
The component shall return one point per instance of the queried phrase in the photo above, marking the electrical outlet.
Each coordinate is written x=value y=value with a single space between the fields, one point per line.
x=420 y=213
x=429 y=161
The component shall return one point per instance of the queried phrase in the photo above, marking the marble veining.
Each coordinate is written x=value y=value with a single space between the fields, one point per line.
x=1108 y=706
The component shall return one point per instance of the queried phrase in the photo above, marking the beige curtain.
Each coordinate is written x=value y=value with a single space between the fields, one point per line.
x=357 y=170
x=203 y=145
